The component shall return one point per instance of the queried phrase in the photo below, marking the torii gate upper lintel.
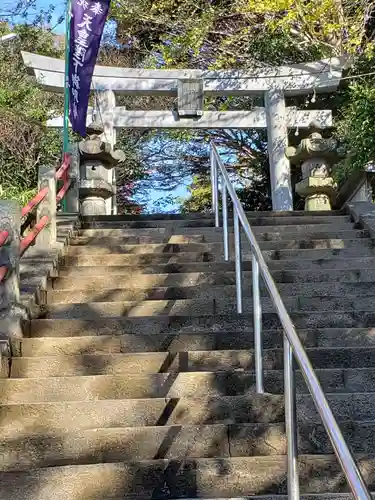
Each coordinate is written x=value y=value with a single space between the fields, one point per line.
x=274 y=83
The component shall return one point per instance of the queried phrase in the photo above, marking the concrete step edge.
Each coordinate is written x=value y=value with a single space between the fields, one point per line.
x=200 y=239
x=187 y=374
x=209 y=252
x=365 y=259
x=182 y=324
x=163 y=319
x=196 y=341
x=209 y=219
x=312 y=496
x=173 y=228
x=199 y=400
x=201 y=295
x=208 y=308
x=103 y=270
x=42 y=416
x=265 y=351
x=199 y=215
x=184 y=293
x=303 y=251
x=201 y=441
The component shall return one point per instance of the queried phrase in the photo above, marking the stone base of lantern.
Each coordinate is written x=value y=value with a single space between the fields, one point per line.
x=317 y=202
x=93 y=194
x=93 y=205
x=318 y=192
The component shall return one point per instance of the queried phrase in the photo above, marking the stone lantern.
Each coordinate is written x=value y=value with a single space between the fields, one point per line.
x=97 y=159
x=316 y=156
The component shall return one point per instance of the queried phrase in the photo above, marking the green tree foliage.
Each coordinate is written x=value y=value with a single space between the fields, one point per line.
x=240 y=33
x=25 y=142
x=224 y=34
x=333 y=27
x=132 y=170
x=199 y=199
x=246 y=34
x=356 y=118
x=359 y=118
x=200 y=196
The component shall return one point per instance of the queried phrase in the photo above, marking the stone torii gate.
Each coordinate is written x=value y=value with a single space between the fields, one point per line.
x=190 y=87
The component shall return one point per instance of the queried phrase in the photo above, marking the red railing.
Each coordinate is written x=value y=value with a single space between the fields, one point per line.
x=38 y=198
x=61 y=174
x=64 y=167
x=3 y=237
x=26 y=242
x=3 y=271
x=60 y=195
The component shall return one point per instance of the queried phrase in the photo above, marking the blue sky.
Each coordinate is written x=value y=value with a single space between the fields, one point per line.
x=59 y=10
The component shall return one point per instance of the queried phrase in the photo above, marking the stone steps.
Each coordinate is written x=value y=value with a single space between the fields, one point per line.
x=183 y=251
x=279 y=259
x=135 y=239
x=195 y=324
x=209 y=292
x=139 y=380
x=158 y=479
x=255 y=220
x=117 y=264
x=108 y=445
x=263 y=232
x=179 y=279
x=174 y=385
x=102 y=306
x=185 y=361
x=314 y=496
x=196 y=252
x=209 y=215
x=32 y=419
x=47 y=417
x=156 y=342
x=112 y=344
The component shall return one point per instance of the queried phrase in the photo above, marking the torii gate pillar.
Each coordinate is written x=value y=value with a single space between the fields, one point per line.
x=280 y=175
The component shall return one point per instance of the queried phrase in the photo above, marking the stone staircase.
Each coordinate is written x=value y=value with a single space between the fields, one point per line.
x=138 y=380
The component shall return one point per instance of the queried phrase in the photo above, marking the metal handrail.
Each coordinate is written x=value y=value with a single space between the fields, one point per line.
x=292 y=343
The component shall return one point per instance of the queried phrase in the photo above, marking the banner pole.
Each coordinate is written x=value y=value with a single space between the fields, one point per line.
x=66 y=148
x=66 y=88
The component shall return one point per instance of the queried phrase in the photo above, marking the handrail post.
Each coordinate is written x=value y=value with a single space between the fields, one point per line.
x=46 y=178
x=238 y=259
x=212 y=168
x=291 y=421
x=12 y=314
x=214 y=187
x=257 y=318
x=225 y=222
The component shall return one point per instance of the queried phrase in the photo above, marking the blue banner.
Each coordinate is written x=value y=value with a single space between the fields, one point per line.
x=86 y=29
